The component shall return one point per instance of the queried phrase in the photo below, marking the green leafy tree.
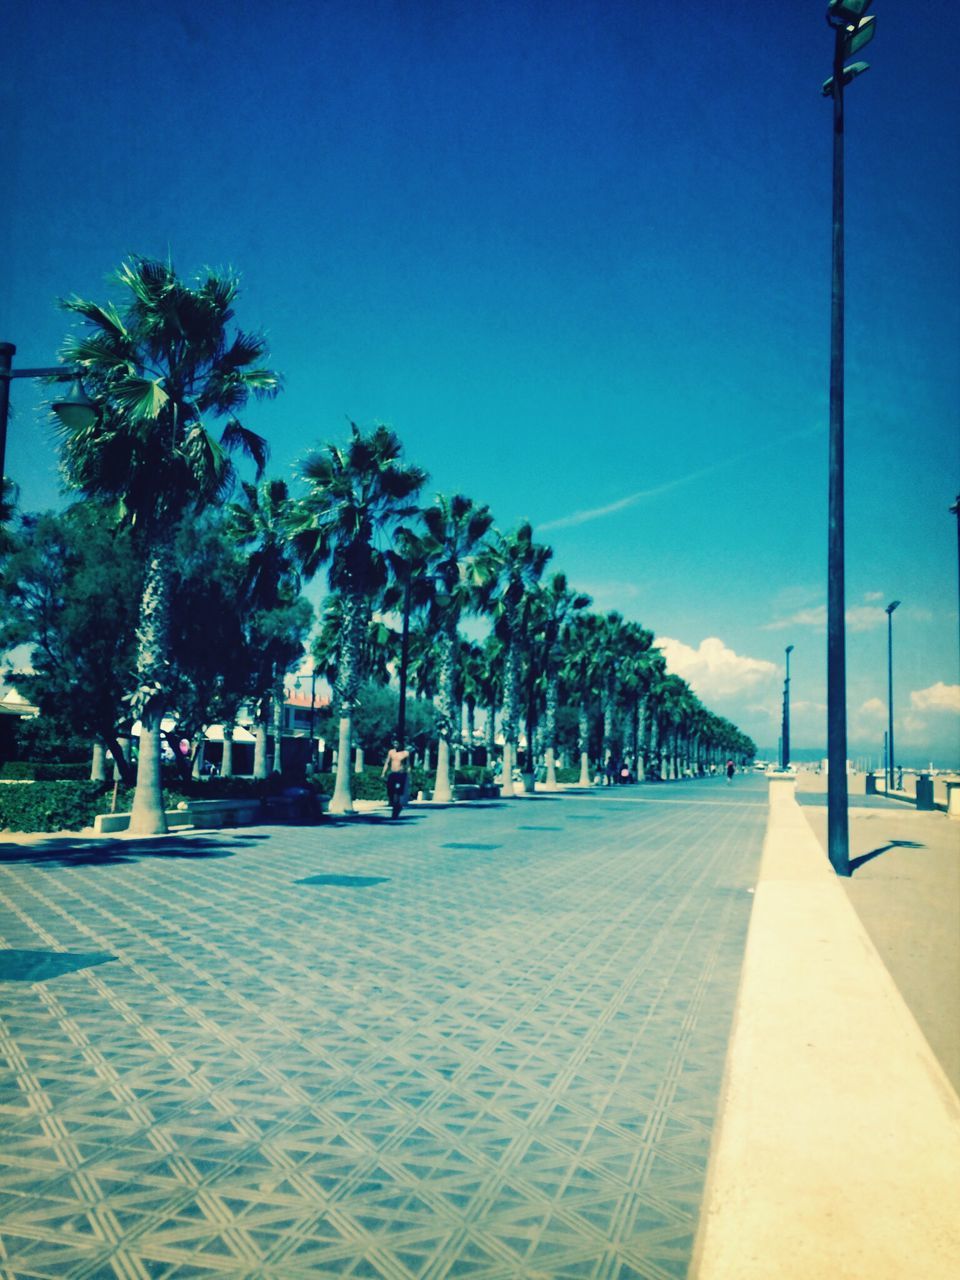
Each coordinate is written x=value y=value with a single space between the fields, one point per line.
x=70 y=592
x=161 y=366
x=356 y=497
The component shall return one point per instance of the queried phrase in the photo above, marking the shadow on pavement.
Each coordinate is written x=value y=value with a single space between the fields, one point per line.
x=371 y=819
x=884 y=848
x=58 y=852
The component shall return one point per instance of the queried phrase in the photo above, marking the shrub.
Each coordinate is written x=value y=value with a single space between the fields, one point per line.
x=51 y=806
x=476 y=774
x=568 y=774
x=369 y=785
x=43 y=771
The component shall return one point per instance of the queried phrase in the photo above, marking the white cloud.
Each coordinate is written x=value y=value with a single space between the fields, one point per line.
x=873 y=596
x=815 y=617
x=869 y=719
x=938 y=697
x=713 y=670
x=860 y=617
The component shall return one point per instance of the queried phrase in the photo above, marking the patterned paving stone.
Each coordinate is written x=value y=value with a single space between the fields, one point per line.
x=469 y=1043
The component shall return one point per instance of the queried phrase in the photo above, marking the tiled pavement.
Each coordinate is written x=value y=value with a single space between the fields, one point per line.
x=481 y=1042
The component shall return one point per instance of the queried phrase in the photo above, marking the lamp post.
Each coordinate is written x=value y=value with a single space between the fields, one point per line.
x=890 y=756
x=74 y=409
x=955 y=511
x=851 y=32
x=785 y=730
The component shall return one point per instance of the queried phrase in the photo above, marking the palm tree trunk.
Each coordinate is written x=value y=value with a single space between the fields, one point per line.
x=260 y=741
x=98 y=762
x=509 y=717
x=153 y=643
x=226 y=762
x=471 y=718
x=355 y=625
x=277 y=703
x=583 y=743
x=550 y=732
x=608 y=717
x=447 y=646
x=198 y=755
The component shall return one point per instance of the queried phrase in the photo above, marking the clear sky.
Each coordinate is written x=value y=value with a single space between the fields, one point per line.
x=577 y=255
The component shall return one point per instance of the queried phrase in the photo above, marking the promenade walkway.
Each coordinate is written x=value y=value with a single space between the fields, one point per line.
x=484 y=1041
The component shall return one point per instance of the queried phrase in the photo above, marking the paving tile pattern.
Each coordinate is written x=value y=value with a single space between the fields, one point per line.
x=479 y=1042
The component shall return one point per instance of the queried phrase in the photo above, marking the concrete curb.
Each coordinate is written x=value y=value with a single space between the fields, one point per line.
x=837 y=1150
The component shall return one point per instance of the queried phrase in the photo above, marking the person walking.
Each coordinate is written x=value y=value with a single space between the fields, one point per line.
x=731 y=770
x=396 y=770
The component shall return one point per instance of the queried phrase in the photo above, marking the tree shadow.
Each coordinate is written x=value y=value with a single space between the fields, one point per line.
x=58 y=852
x=884 y=848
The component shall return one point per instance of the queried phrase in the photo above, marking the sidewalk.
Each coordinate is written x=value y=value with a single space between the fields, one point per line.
x=837 y=1152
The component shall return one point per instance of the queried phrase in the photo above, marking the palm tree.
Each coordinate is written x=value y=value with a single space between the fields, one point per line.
x=275 y=614
x=636 y=671
x=608 y=654
x=160 y=368
x=473 y=683
x=455 y=529
x=510 y=567
x=579 y=675
x=356 y=496
x=559 y=607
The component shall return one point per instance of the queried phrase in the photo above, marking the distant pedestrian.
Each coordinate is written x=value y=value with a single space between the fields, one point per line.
x=610 y=770
x=396 y=771
x=731 y=770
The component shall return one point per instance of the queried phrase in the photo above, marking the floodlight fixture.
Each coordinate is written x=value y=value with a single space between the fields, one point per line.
x=849 y=73
x=846 y=11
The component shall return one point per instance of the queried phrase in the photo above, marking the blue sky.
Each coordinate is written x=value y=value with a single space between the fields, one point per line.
x=577 y=255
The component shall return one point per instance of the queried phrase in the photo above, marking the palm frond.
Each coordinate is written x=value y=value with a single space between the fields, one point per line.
x=141 y=399
x=237 y=436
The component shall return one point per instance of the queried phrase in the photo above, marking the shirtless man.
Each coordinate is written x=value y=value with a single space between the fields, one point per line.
x=395 y=770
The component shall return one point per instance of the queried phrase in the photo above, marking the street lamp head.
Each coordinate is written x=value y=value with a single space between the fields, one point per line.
x=75 y=409
x=892 y=605
x=846 y=11
x=789 y=648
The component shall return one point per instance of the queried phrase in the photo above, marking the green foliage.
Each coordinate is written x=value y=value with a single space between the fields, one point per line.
x=369 y=785
x=474 y=774
x=71 y=589
x=375 y=720
x=43 y=771
x=50 y=806
x=43 y=738
x=568 y=774
x=160 y=366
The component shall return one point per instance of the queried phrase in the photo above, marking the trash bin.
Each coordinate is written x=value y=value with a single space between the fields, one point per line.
x=924 y=791
x=871 y=784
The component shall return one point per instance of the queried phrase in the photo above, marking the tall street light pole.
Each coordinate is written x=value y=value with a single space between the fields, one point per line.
x=955 y=511
x=785 y=729
x=851 y=31
x=890 y=757
x=74 y=408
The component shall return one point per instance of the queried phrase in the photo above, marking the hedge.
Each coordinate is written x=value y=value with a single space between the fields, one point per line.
x=51 y=806
x=43 y=771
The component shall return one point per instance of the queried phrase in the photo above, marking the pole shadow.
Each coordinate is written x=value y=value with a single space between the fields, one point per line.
x=864 y=858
